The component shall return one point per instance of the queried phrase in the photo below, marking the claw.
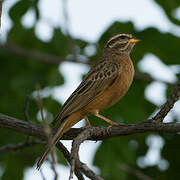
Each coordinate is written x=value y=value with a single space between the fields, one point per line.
x=114 y=124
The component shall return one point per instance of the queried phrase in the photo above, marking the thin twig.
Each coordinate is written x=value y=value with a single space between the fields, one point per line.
x=20 y=146
x=49 y=58
x=148 y=78
x=53 y=166
x=35 y=54
x=40 y=106
x=32 y=53
x=159 y=117
x=26 y=115
x=47 y=131
x=75 y=156
x=26 y=107
x=135 y=172
x=42 y=175
x=67 y=155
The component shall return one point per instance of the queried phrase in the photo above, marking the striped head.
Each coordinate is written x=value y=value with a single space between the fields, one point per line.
x=121 y=43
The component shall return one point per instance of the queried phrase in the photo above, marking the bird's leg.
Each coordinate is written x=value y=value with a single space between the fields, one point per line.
x=87 y=122
x=96 y=113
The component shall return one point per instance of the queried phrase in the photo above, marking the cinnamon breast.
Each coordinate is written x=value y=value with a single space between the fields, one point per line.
x=117 y=90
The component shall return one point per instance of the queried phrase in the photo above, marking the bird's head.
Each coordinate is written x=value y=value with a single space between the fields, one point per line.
x=121 y=43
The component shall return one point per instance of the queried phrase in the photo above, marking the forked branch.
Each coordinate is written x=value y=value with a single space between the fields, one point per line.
x=95 y=133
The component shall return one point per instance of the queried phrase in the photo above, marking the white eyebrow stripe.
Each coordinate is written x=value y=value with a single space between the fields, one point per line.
x=118 y=35
x=127 y=44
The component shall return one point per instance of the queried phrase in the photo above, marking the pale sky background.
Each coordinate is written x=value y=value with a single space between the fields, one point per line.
x=87 y=19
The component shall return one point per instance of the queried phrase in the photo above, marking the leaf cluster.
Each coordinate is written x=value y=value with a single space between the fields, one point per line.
x=20 y=75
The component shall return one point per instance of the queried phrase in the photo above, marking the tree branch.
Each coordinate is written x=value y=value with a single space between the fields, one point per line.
x=169 y=104
x=31 y=129
x=79 y=165
x=97 y=133
x=49 y=58
x=135 y=172
x=20 y=146
x=47 y=130
x=40 y=56
x=88 y=133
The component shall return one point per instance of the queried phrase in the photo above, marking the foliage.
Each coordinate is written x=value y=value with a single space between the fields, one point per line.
x=20 y=75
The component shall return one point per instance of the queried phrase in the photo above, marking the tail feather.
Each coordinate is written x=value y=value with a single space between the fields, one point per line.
x=65 y=126
x=55 y=139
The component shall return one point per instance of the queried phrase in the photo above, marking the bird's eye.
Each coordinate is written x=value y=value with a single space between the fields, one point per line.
x=123 y=37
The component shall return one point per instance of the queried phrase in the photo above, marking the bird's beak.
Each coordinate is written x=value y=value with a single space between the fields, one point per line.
x=134 y=40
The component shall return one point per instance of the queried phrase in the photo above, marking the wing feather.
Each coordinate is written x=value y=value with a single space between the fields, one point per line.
x=99 y=78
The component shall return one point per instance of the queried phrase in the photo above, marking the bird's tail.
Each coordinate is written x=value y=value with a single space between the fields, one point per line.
x=65 y=126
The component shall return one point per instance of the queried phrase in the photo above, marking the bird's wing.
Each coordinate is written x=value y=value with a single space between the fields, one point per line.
x=99 y=78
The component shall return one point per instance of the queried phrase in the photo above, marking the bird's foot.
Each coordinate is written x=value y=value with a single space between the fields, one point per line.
x=114 y=124
x=87 y=126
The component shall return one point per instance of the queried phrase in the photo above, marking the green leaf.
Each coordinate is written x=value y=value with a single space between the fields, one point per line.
x=169 y=7
x=19 y=9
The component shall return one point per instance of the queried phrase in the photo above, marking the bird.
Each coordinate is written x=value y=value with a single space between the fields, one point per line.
x=104 y=85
